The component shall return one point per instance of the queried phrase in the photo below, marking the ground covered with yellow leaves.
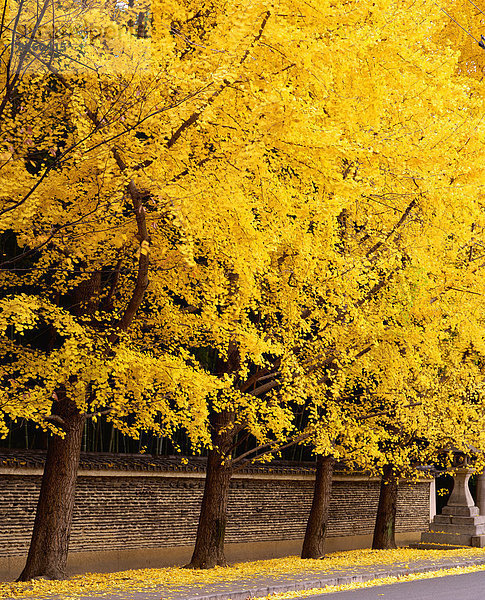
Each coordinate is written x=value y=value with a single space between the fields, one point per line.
x=174 y=579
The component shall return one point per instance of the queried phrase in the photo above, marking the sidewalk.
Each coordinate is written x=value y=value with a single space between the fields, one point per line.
x=259 y=585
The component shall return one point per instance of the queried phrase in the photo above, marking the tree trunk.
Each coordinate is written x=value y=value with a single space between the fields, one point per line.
x=384 y=531
x=50 y=538
x=209 y=545
x=316 y=528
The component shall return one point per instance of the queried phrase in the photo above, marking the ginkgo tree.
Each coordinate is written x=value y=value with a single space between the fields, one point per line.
x=402 y=401
x=78 y=238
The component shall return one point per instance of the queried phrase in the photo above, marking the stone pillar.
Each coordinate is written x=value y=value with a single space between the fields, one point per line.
x=481 y=493
x=461 y=503
x=432 y=499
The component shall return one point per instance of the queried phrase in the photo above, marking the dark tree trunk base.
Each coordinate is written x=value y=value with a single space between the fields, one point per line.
x=384 y=531
x=313 y=544
x=209 y=545
x=201 y=565
x=48 y=550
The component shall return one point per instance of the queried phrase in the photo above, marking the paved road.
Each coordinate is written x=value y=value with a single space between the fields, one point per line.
x=454 y=587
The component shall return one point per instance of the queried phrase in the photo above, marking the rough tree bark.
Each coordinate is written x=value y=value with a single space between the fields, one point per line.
x=384 y=531
x=50 y=538
x=316 y=528
x=209 y=546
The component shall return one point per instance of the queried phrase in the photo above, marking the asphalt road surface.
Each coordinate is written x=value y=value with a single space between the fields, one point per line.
x=470 y=586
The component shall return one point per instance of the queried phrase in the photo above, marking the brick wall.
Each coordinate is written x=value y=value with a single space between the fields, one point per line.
x=121 y=511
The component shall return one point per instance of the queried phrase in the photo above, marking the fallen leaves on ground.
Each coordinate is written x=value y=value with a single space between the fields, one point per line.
x=170 y=578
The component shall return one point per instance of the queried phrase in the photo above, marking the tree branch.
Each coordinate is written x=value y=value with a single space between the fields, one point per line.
x=143 y=261
x=404 y=216
x=99 y=413
x=386 y=412
x=275 y=447
x=268 y=448
x=266 y=387
x=194 y=117
x=114 y=283
x=56 y=419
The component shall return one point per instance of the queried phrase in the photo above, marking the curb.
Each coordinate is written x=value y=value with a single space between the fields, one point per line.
x=297 y=586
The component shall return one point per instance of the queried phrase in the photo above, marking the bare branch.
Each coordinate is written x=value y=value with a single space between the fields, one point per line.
x=260 y=375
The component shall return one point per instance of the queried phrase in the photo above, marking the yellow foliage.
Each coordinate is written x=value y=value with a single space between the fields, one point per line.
x=300 y=185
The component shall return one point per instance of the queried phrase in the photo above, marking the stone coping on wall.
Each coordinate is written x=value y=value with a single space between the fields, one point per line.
x=95 y=461
x=31 y=462
x=100 y=463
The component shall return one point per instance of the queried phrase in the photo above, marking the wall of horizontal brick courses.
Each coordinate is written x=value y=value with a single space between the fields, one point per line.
x=129 y=511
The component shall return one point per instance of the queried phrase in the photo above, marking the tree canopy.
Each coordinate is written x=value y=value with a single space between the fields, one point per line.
x=258 y=209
